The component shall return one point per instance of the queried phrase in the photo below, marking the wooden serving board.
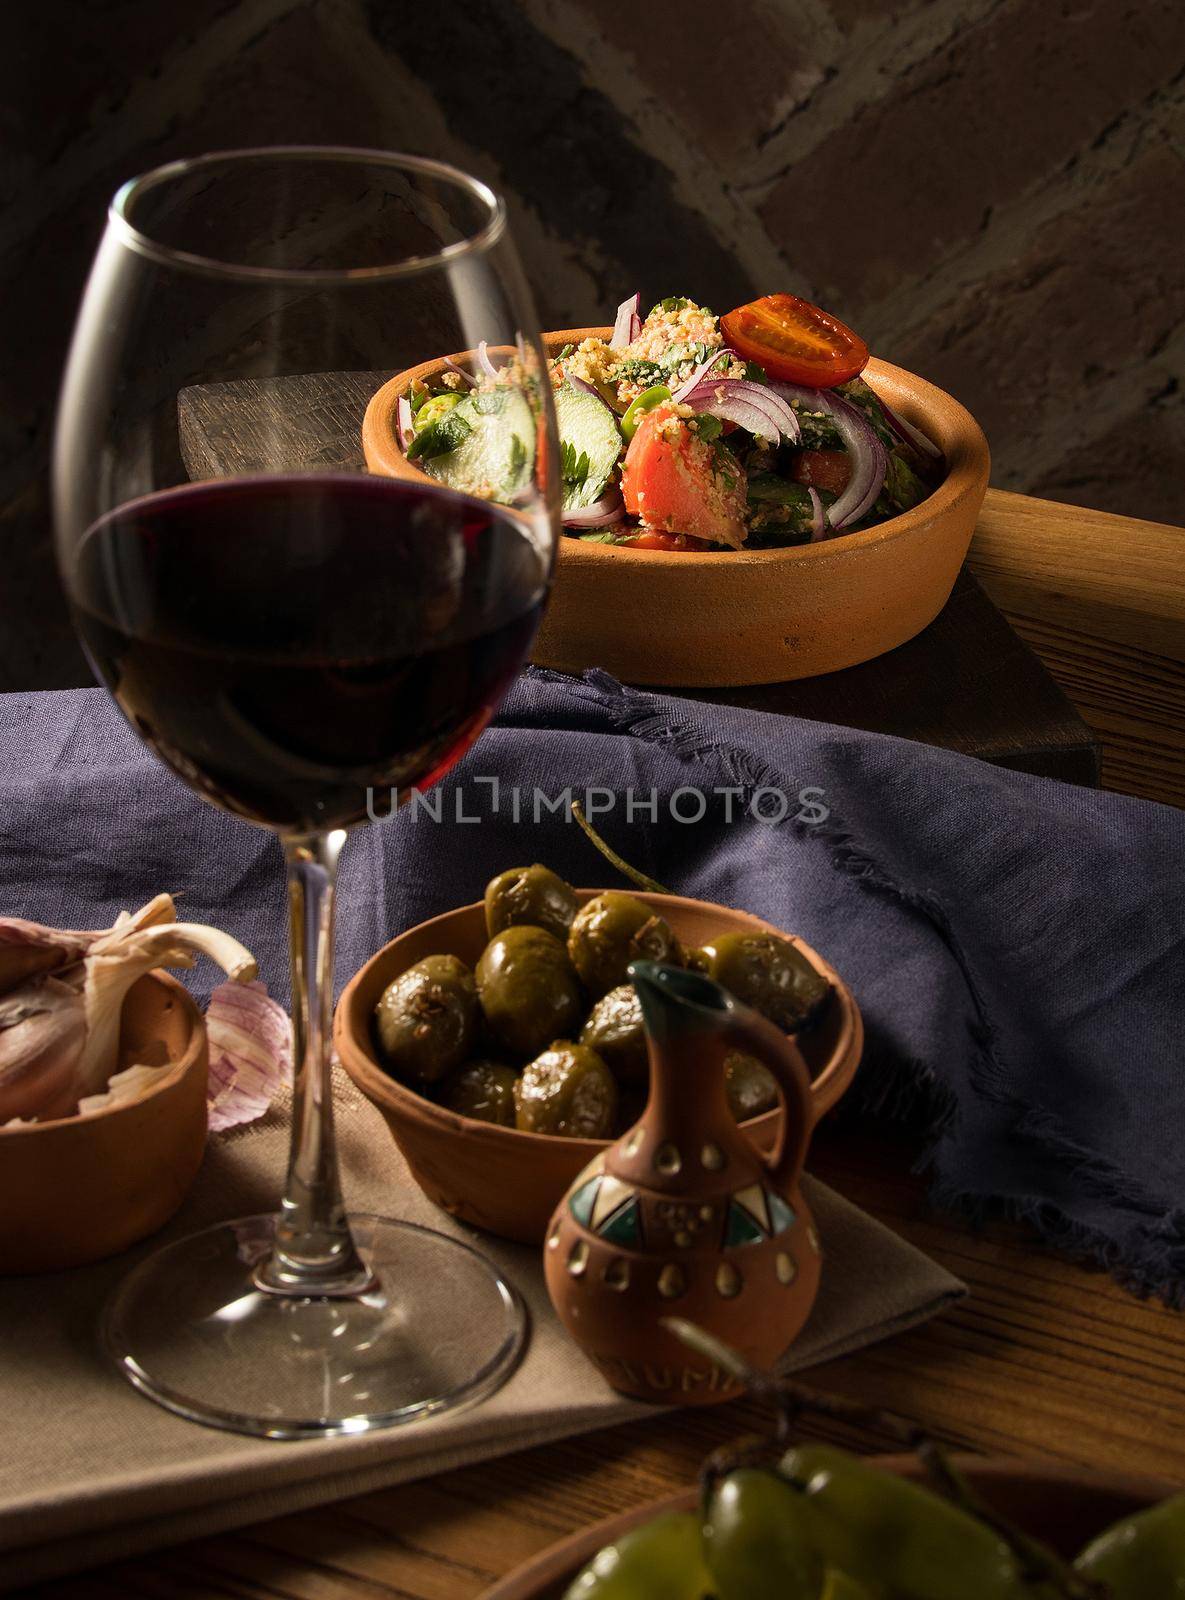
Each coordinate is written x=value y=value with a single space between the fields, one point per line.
x=966 y=683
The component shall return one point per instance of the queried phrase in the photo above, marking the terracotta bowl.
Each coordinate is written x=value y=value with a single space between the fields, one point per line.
x=1065 y=1506
x=745 y=617
x=508 y=1182
x=81 y=1188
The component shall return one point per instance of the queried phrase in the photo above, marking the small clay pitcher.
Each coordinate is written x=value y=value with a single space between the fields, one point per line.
x=682 y=1216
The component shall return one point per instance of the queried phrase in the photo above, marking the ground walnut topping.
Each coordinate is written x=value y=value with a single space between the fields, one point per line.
x=674 y=341
x=672 y=425
x=594 y=361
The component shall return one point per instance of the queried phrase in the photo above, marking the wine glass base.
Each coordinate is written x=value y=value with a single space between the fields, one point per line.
x=189 y=1328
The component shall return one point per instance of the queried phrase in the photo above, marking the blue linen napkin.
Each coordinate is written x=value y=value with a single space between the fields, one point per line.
x=1017 y=945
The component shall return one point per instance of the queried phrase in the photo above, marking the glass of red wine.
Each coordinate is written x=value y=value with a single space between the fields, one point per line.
x=292 y=634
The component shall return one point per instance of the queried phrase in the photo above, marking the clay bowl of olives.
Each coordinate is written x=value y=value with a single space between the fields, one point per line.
x=502 y=1041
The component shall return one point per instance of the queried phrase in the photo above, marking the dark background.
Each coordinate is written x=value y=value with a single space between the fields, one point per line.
x=990 y=190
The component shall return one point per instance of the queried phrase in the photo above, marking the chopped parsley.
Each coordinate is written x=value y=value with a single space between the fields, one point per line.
x=439 y=437
x=644 y=373
x=518 y=460
x=573 y=468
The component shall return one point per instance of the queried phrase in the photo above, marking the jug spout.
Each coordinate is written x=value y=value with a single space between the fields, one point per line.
x=676 y=1002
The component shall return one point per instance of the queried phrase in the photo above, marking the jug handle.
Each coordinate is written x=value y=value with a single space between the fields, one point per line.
x=781 y=1055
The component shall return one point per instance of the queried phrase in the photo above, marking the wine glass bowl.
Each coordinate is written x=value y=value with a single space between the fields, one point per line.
x=294 y=640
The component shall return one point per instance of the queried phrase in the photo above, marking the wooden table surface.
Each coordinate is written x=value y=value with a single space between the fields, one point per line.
x=1043 y=1359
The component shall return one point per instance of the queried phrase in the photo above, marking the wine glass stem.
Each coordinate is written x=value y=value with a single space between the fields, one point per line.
x=314 y=1253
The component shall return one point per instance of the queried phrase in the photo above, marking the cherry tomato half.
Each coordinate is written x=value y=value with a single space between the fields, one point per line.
x=795 y=341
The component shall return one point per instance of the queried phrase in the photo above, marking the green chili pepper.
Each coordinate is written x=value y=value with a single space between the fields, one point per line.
x=896 y=1536
x=646 y=401
x=432 y=410
x=1142 y=1556
x=661 y=1560
x=759 y=1537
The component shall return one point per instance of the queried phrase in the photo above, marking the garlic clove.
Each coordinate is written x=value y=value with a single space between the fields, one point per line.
x=42 y=1035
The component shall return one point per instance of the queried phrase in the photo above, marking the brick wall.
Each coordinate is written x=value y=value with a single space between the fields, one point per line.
x=992 y=190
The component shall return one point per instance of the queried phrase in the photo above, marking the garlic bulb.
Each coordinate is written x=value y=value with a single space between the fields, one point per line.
x=62 y=994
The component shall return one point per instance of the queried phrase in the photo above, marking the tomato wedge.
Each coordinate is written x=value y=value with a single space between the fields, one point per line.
x=673 y=482
x=823 y=469
x=795 y=341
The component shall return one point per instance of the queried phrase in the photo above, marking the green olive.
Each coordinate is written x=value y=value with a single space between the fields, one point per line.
x=528 y=990
x=432 y=410
x=1141 y=1556
x=615 y=1031
x=661 y=1560
x=750 y=1086
x=483 y=1090
x=567 y=1090
x=426 y=1020
x=533 y=895
x=760 y=1539
x=766 y=972
x=611 y=931
x=898 y=1537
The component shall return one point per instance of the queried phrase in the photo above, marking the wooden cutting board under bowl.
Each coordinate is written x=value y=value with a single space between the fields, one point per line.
x=966 y=683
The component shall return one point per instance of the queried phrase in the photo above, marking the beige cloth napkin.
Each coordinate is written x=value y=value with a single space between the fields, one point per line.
x=90 y=1471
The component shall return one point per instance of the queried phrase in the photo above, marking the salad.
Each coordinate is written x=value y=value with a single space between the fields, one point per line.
x=686 y=431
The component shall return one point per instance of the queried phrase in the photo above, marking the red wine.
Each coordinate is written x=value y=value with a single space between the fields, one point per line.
x=284 y=643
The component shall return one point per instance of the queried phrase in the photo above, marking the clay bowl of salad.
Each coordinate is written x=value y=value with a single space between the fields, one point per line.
x=746 y=499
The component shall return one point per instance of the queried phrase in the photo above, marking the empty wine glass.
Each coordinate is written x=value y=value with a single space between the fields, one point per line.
x=289 y=633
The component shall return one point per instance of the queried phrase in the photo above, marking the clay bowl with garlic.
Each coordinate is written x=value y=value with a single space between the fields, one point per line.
x=716 y=619
x=77 y=1189
x=509 y=1182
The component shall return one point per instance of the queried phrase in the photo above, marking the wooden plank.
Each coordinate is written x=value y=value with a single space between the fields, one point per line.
x=269 y=424
x=1101 y=599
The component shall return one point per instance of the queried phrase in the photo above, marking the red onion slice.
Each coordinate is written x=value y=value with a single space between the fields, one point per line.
x=869 y=463
x=405 y=423
x=483 y=360
x=769 y=415
x=818 y=520
x=734 y=409
x=610 y=508
x=627 y=325
x=700 y=373
x=590 y=388
x=812 y=399
x=907 y=431
x=869 y=457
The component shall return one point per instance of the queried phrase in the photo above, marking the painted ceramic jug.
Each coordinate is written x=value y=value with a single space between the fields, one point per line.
x=682 y=1216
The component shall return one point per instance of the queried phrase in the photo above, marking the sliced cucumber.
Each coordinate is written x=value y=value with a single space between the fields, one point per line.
x=590 y=444
x=489 y=444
